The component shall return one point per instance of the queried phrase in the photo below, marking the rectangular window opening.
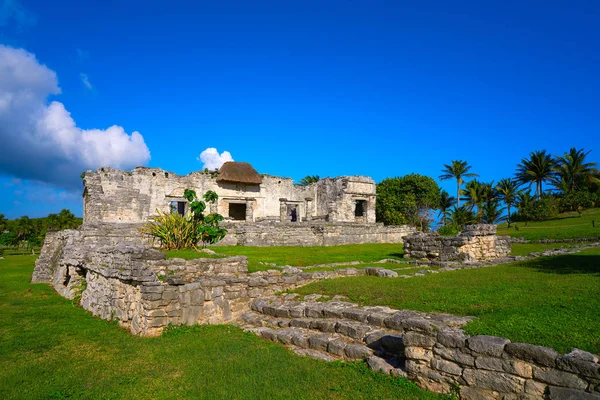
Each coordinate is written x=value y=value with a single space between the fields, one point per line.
x=237 y=211
x=360 y=208
x=178 y=207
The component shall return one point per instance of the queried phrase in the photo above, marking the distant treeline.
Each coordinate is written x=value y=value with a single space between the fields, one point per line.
x=30 y=232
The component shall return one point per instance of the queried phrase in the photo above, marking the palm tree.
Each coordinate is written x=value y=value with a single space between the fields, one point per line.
x=507 y=192
x=308 y=179
x=572 y=170
x=539 y=167
x=461 y=216
x=478 y=194
x=492 y=212
x=457 y=170
x=446 y=201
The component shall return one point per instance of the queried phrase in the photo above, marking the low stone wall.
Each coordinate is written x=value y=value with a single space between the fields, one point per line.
x=475 y=243
x=489 y=367
x=435 y=351
x=311 y=234
x=145 y=292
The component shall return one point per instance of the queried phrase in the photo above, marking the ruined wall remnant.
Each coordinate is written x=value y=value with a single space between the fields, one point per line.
x=114 y=196
x=475 y=243
x=114 y=276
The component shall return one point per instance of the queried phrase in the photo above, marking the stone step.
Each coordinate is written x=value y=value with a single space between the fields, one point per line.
x=381 y=340
x=330 y=347
x=375 y=316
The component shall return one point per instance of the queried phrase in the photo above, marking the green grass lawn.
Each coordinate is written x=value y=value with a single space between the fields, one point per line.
x=50 y=348
x=301 y=256
x=550 y=301
x=523 y=249
x=565 y=226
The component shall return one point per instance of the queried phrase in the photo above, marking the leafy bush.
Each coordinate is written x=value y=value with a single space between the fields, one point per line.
x=537 y=210
x=448 y=230
x=572 y=201
x=407 y=200
x=177 y=231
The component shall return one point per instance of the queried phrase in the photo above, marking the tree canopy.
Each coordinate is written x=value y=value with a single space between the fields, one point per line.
x=410 y=200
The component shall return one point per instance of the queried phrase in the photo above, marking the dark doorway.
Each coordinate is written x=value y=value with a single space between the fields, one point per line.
x=237 y=211
x=360 y=208
x=292 y=212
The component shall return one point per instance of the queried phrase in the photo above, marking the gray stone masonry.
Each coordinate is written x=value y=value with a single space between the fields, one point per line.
x=431 y=349
x=474 y=243
x=115 y=276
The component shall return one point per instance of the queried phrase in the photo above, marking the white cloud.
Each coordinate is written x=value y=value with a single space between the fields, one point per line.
x=211 y=158
x=86 y=81
x=41 y=141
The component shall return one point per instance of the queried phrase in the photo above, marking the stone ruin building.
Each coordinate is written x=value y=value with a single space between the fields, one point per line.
x=474 y=243
x=260 y=210
x=111 y=271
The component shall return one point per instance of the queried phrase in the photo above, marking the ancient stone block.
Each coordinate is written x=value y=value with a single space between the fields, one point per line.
x=452 y=338
x=559 y=378
x=357 y=352
x=418 y=339
x=492 y=380
x=446 y=366
x=418 y=353
x=538 y=354
x=560 y=393
x=487 y=345
x=456 y=355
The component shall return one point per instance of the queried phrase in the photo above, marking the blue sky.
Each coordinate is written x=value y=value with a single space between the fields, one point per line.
x=296 y=88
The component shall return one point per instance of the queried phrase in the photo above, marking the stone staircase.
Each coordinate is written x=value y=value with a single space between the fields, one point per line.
x=339 y=330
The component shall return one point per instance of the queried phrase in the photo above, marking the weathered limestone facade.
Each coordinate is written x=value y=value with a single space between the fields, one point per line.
x=274 y=212
x=475 y=243
x=114 y=196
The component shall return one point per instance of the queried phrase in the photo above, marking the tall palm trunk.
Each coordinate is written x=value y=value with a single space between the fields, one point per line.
x=508 y=206
x=458 y=192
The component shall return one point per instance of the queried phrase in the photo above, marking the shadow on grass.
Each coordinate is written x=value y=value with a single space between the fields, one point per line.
x=399 y=255
x=568 y=264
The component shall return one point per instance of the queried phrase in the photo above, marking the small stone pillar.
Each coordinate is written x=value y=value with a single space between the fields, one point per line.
x=283 y=210
x=250 y=210
x=309 y=209
x=332 y=212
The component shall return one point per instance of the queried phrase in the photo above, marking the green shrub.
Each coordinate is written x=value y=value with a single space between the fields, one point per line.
x=574 y=200
x=177 y=231
x=537 y=210
x=448 y=230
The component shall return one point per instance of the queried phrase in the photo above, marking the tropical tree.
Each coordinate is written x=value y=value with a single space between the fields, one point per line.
x=539 y=167
x=478 y=195
x=458 y=170
x=491 y=213
x=461 y=216
x=572 y=170
x=308 y=179
x=507 y=192
x=446 y=202
x=407 y=200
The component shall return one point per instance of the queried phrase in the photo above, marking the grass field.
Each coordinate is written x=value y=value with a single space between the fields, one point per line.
x=51 y=349
x=301 y=256
x=523 y=249
x=565 y=226
x=550 y=301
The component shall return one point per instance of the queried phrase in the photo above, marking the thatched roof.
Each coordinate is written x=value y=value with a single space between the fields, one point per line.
x=240 y=172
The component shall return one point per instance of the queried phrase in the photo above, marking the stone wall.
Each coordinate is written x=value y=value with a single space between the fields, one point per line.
x=474 y=243
x=431 y=347
x=114 y=196
x=489 y=367
x=144 y=291
x=311 y=234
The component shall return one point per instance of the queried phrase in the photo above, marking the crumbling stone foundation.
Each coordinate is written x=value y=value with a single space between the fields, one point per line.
x=475 y=243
